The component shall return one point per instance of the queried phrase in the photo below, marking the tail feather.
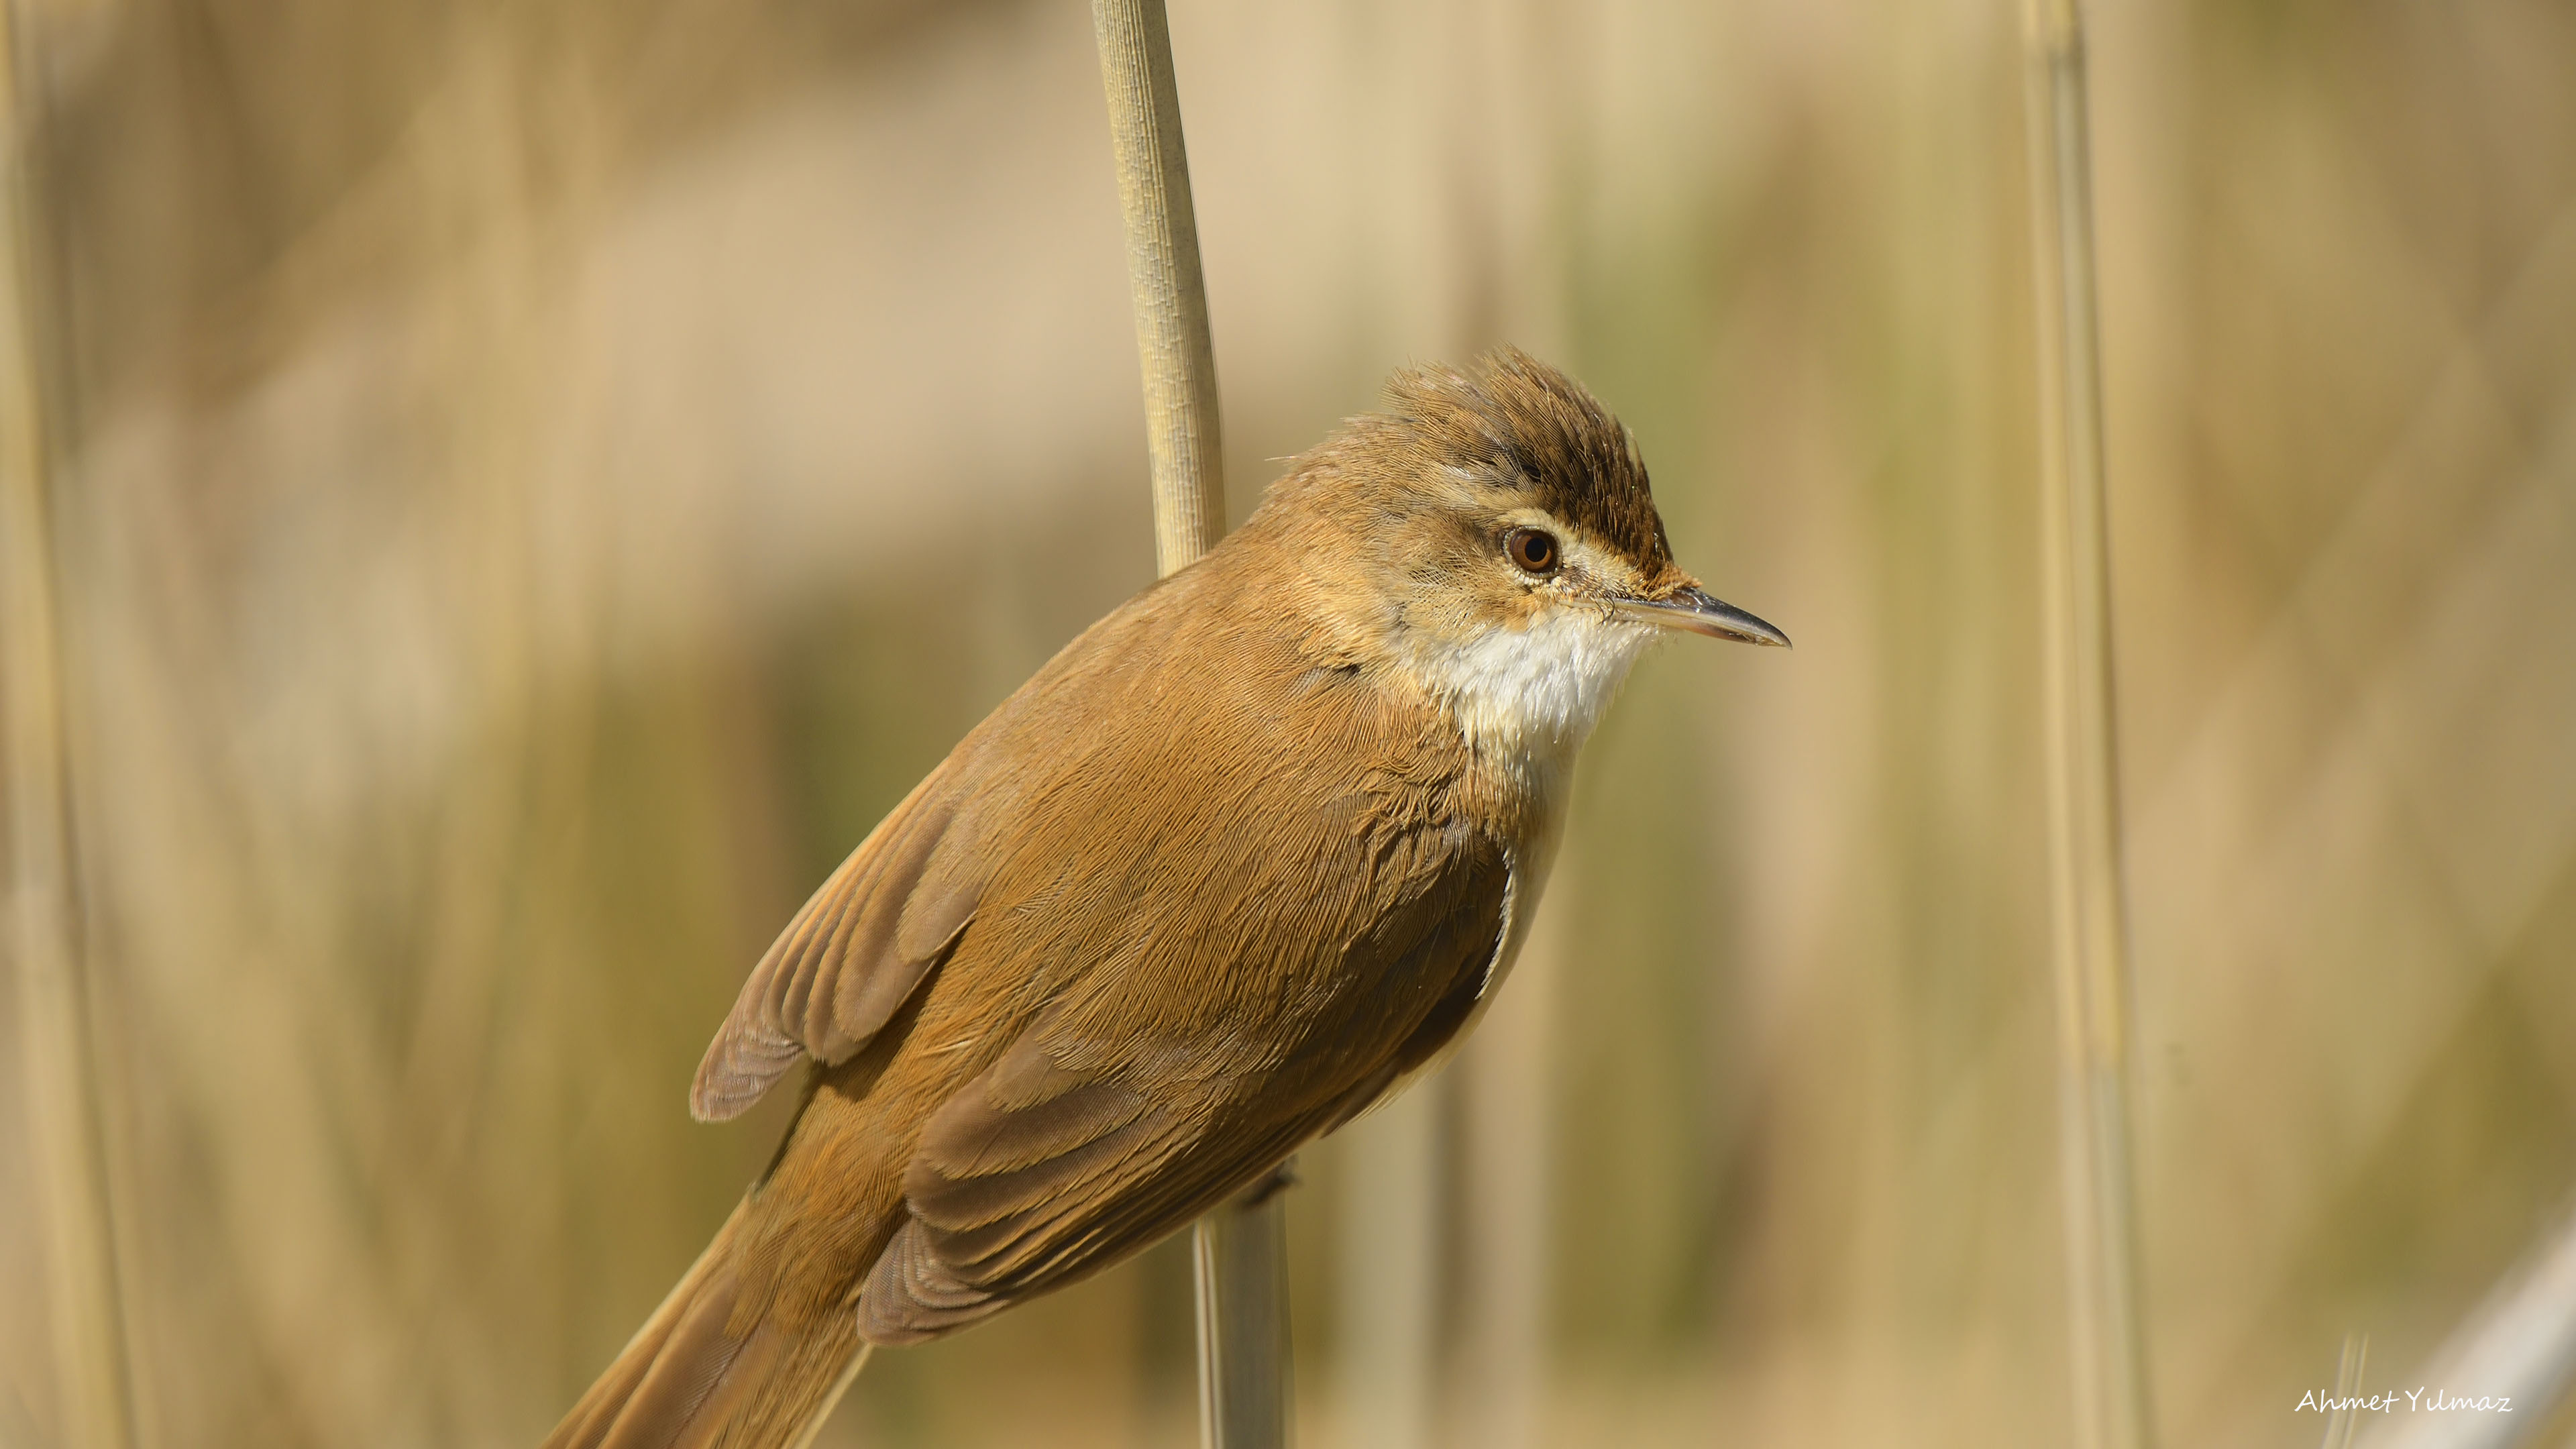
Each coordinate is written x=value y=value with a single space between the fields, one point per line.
x=689 y=1380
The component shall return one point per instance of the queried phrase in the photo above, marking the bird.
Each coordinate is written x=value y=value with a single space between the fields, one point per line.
x=1248 y=856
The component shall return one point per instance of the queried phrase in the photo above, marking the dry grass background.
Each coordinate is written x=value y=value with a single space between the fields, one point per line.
x=541 y=478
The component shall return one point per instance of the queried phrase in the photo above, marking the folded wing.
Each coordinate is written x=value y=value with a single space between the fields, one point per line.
x=1039 y=1171
x=845 y=964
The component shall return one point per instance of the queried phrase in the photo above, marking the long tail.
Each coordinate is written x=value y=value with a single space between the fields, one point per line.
x=692 y=1380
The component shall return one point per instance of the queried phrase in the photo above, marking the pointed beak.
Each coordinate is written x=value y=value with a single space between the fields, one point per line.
x=1694 y=610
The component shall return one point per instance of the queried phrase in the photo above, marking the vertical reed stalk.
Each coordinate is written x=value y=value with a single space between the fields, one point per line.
x=96 y=1408
x=2108 y=1346
x=1163 y=269
x=1240 y=1250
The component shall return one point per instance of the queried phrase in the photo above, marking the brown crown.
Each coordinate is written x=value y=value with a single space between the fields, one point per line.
x=1516 y=415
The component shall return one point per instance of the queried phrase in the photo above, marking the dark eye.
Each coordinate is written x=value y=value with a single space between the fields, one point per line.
x=1534 y=549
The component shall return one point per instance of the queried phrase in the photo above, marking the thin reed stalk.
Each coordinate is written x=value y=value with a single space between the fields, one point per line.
x=2108 y=1343
x=1240 y=1250
x=1163 y=269
x=96 y=1406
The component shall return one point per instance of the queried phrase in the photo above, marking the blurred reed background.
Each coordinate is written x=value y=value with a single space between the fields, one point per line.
x=538 y=480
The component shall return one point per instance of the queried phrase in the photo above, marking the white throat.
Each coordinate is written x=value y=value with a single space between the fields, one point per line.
x=1528 y=697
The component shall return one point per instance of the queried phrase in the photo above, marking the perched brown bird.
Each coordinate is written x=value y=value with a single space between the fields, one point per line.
x=1249 y=854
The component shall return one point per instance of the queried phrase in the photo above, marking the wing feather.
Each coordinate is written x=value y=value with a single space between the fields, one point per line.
x=846 y=963
x=1037 y=1173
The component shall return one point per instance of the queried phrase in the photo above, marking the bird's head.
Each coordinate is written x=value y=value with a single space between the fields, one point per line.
x=1492 y=535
